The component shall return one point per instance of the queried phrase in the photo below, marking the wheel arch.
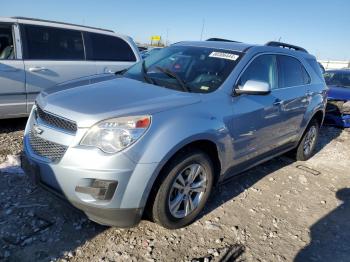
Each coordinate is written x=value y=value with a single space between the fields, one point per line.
x=319 y=115
x=204 y=144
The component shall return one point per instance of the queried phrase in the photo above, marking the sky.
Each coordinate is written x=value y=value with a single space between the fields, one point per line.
x=320 y=26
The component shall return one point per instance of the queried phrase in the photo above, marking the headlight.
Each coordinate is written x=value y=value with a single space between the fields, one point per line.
x=113 y=135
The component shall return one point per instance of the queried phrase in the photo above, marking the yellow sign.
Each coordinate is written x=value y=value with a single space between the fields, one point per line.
x=155 y=38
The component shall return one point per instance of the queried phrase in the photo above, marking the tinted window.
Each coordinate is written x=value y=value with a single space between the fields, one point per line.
x=306 y=76
x=263 y=69
x=109 y=48
x=6 y=43
x=49 y=43
x=291 y=72
x=316 y=67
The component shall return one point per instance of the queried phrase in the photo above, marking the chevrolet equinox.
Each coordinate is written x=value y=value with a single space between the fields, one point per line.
x=157 y=138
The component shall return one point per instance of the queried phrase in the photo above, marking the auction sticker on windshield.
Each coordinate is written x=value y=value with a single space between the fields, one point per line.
x=222 y=55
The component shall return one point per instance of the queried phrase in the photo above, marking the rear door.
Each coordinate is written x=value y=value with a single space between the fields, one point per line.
x=111 y=53
x=12 y=77
x=291 y=96
x=51 y=56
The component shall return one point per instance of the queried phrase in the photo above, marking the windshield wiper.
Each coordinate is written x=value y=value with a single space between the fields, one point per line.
x=145 y=75
x=175 y=76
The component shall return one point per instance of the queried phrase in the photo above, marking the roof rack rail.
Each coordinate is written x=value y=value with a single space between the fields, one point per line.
x=284 y=45
x=62 y=23
x=221 y=40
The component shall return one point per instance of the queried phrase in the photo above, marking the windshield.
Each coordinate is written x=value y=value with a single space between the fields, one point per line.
x=341 y=79
x=186 y=68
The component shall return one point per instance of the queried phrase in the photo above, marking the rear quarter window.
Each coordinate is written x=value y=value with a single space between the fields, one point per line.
x=108 y=48
x=316 y=67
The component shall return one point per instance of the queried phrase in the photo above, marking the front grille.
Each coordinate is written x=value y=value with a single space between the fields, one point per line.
x=56 y=121
x=47 y=149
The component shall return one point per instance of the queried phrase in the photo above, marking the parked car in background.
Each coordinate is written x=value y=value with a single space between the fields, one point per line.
x=338 y=107
x=150 y=51
x=36 y=54
x=142 y=48
x=158 y=137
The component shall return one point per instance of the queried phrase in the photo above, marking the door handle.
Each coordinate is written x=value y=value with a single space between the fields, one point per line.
x=37 y=69
x=109 y=71
x=277 y=102
x=308 y=93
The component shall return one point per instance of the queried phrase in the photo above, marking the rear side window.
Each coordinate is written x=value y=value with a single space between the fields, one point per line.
x=49 y=43
x=291 y=72
x=263 y=69
x=108 y=48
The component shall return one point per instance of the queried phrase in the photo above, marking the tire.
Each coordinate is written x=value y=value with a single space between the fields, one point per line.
x=312 y=132
x=173 y=191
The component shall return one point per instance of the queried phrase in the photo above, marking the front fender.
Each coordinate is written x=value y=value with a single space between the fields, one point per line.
x=169 y=132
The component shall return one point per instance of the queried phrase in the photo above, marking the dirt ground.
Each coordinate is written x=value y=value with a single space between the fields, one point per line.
x=279 y=211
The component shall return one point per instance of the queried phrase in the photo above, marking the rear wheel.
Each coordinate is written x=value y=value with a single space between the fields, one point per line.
x=185 y=189
x=307 y=145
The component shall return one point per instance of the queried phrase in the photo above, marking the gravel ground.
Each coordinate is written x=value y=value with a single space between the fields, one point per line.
x=279 y=211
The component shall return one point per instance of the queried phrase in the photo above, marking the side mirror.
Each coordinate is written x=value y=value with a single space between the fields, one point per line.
x=253 y=87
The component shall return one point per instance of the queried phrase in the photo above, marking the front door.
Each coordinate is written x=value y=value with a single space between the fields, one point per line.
x=256 y=118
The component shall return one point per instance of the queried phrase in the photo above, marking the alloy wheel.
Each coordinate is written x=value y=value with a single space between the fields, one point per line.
x=187 y=190
x=310 y=139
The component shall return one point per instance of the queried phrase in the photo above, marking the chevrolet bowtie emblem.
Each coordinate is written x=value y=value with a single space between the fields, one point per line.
x=37 y=130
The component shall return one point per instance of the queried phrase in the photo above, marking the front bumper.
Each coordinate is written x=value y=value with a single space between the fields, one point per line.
x=339 y=120
x=120 y=217
x=338 y=113
x=79 y=166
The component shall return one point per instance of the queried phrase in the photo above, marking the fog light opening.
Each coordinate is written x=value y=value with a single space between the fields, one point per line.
x=99 y=189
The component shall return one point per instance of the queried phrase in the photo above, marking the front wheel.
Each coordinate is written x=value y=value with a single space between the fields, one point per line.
x=187 y=183
x=307 y=145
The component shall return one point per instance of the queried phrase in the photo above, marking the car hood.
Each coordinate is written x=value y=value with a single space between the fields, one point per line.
x=338 y=93
x=107 y=98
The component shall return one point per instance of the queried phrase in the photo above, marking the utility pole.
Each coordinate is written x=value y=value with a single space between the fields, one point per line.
x=202 y=29
x=166 y=39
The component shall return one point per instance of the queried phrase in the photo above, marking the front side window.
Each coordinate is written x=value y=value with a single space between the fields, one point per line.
x=6 y=43
x=340 y=79
x=186 y=68
x=49 y=43
x=291 y=72
x=263 y=69
x=109 y=48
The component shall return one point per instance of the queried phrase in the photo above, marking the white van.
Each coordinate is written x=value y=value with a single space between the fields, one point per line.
x=36 y=54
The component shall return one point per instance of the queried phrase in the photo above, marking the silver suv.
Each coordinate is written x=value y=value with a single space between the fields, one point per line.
x=37 y=54
x=159 y=136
